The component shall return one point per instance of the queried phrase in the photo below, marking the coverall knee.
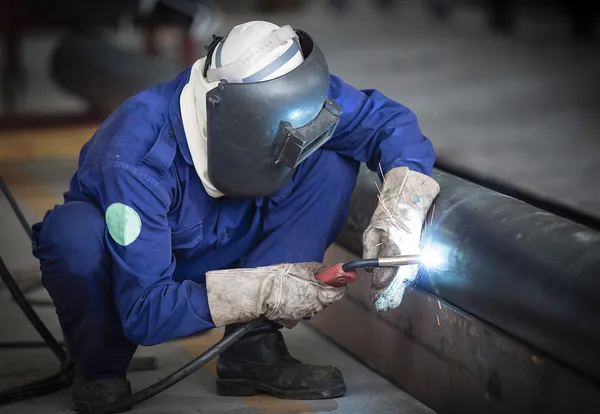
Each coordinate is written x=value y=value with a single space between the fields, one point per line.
x=326 y=182
x=70 y=245
x=308 y=214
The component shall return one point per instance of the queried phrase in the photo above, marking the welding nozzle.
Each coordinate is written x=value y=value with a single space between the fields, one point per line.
x=393 y=261
x=344 y=273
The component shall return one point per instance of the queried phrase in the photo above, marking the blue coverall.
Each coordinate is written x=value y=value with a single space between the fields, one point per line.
x=109 y=298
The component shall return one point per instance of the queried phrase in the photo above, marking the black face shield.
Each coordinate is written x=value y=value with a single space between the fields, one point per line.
x=257 y=133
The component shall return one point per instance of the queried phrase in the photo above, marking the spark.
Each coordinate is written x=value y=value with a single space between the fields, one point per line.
x=438 y=319
x=382 y=175
x=382 y=203
x=439 y=304
x=432 y=213
x=377 y=185
x=393 y=221
x=384 y=207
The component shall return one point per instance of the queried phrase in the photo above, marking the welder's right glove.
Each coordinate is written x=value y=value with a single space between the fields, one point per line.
x=395 y=229
x=284 y=293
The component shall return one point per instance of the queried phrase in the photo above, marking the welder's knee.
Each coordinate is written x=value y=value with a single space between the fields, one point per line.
x=336 y=173
x=71 y=240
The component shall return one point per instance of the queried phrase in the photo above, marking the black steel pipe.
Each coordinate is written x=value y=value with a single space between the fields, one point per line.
x=528 y=272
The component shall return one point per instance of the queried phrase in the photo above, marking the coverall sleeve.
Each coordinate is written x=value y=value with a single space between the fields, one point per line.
x=378 y=131
x=153 y=307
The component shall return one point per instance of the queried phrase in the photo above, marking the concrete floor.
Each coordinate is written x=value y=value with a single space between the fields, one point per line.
x=367 y=392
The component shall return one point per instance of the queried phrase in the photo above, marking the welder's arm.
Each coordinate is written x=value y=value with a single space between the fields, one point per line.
x=386 y=135
x=153 y=307
x=277 y=278
x=395 y=229
x=284 y=293
x=378 y=131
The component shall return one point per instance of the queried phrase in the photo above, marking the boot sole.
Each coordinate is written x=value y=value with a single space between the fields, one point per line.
x=246 y=388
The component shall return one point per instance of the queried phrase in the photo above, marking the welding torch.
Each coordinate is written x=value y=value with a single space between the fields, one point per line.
x=341 y=274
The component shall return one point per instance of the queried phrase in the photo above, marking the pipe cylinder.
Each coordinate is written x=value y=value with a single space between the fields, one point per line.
x=527 y=272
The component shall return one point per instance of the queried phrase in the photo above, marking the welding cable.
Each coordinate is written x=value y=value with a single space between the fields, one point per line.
x=15 y=207
x=64 y=377
x=178 y=375
x=47 y=385
x=360 y=264
x=37 y=323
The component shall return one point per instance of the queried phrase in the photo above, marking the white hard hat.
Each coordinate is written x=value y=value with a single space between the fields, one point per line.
x=255 y=51
x=251 y=52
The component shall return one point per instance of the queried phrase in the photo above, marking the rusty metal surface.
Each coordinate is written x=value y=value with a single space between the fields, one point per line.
x=449 y=360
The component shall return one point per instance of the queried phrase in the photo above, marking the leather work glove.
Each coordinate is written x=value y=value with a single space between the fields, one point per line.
x=395 y=229
x=284 y=293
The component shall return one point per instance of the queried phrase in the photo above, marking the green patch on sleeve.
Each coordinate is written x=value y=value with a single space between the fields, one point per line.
x=123 y=223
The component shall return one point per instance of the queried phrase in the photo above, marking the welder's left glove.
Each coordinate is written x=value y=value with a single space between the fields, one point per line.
x=395 y=229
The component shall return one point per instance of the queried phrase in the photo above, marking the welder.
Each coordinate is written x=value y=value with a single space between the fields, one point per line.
x=209 y=200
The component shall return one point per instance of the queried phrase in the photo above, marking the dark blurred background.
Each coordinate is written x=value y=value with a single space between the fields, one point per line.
x=506 y=90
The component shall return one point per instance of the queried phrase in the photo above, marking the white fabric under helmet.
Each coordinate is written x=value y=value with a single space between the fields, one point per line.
x=259 y=37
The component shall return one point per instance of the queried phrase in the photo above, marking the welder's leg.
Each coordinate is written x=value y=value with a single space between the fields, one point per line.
x=325 y=182
x=75 y=271
x=304 y=218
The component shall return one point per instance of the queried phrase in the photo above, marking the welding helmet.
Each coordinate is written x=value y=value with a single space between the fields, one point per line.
x=268 y=108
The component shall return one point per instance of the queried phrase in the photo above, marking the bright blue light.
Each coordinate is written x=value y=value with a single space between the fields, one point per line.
x=434 y=256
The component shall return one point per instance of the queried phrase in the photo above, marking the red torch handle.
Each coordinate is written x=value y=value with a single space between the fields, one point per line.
x=335 y=276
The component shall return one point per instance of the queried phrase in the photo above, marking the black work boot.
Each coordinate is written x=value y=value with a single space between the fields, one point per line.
x=89 y=394
x=260 y=362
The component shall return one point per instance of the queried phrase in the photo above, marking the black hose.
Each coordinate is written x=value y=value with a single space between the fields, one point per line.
x=13 y=203
x=64 y=377
x=178 y=375
x=35 y=320
x=47 y=385
x=56 y=382
x=360 y=264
